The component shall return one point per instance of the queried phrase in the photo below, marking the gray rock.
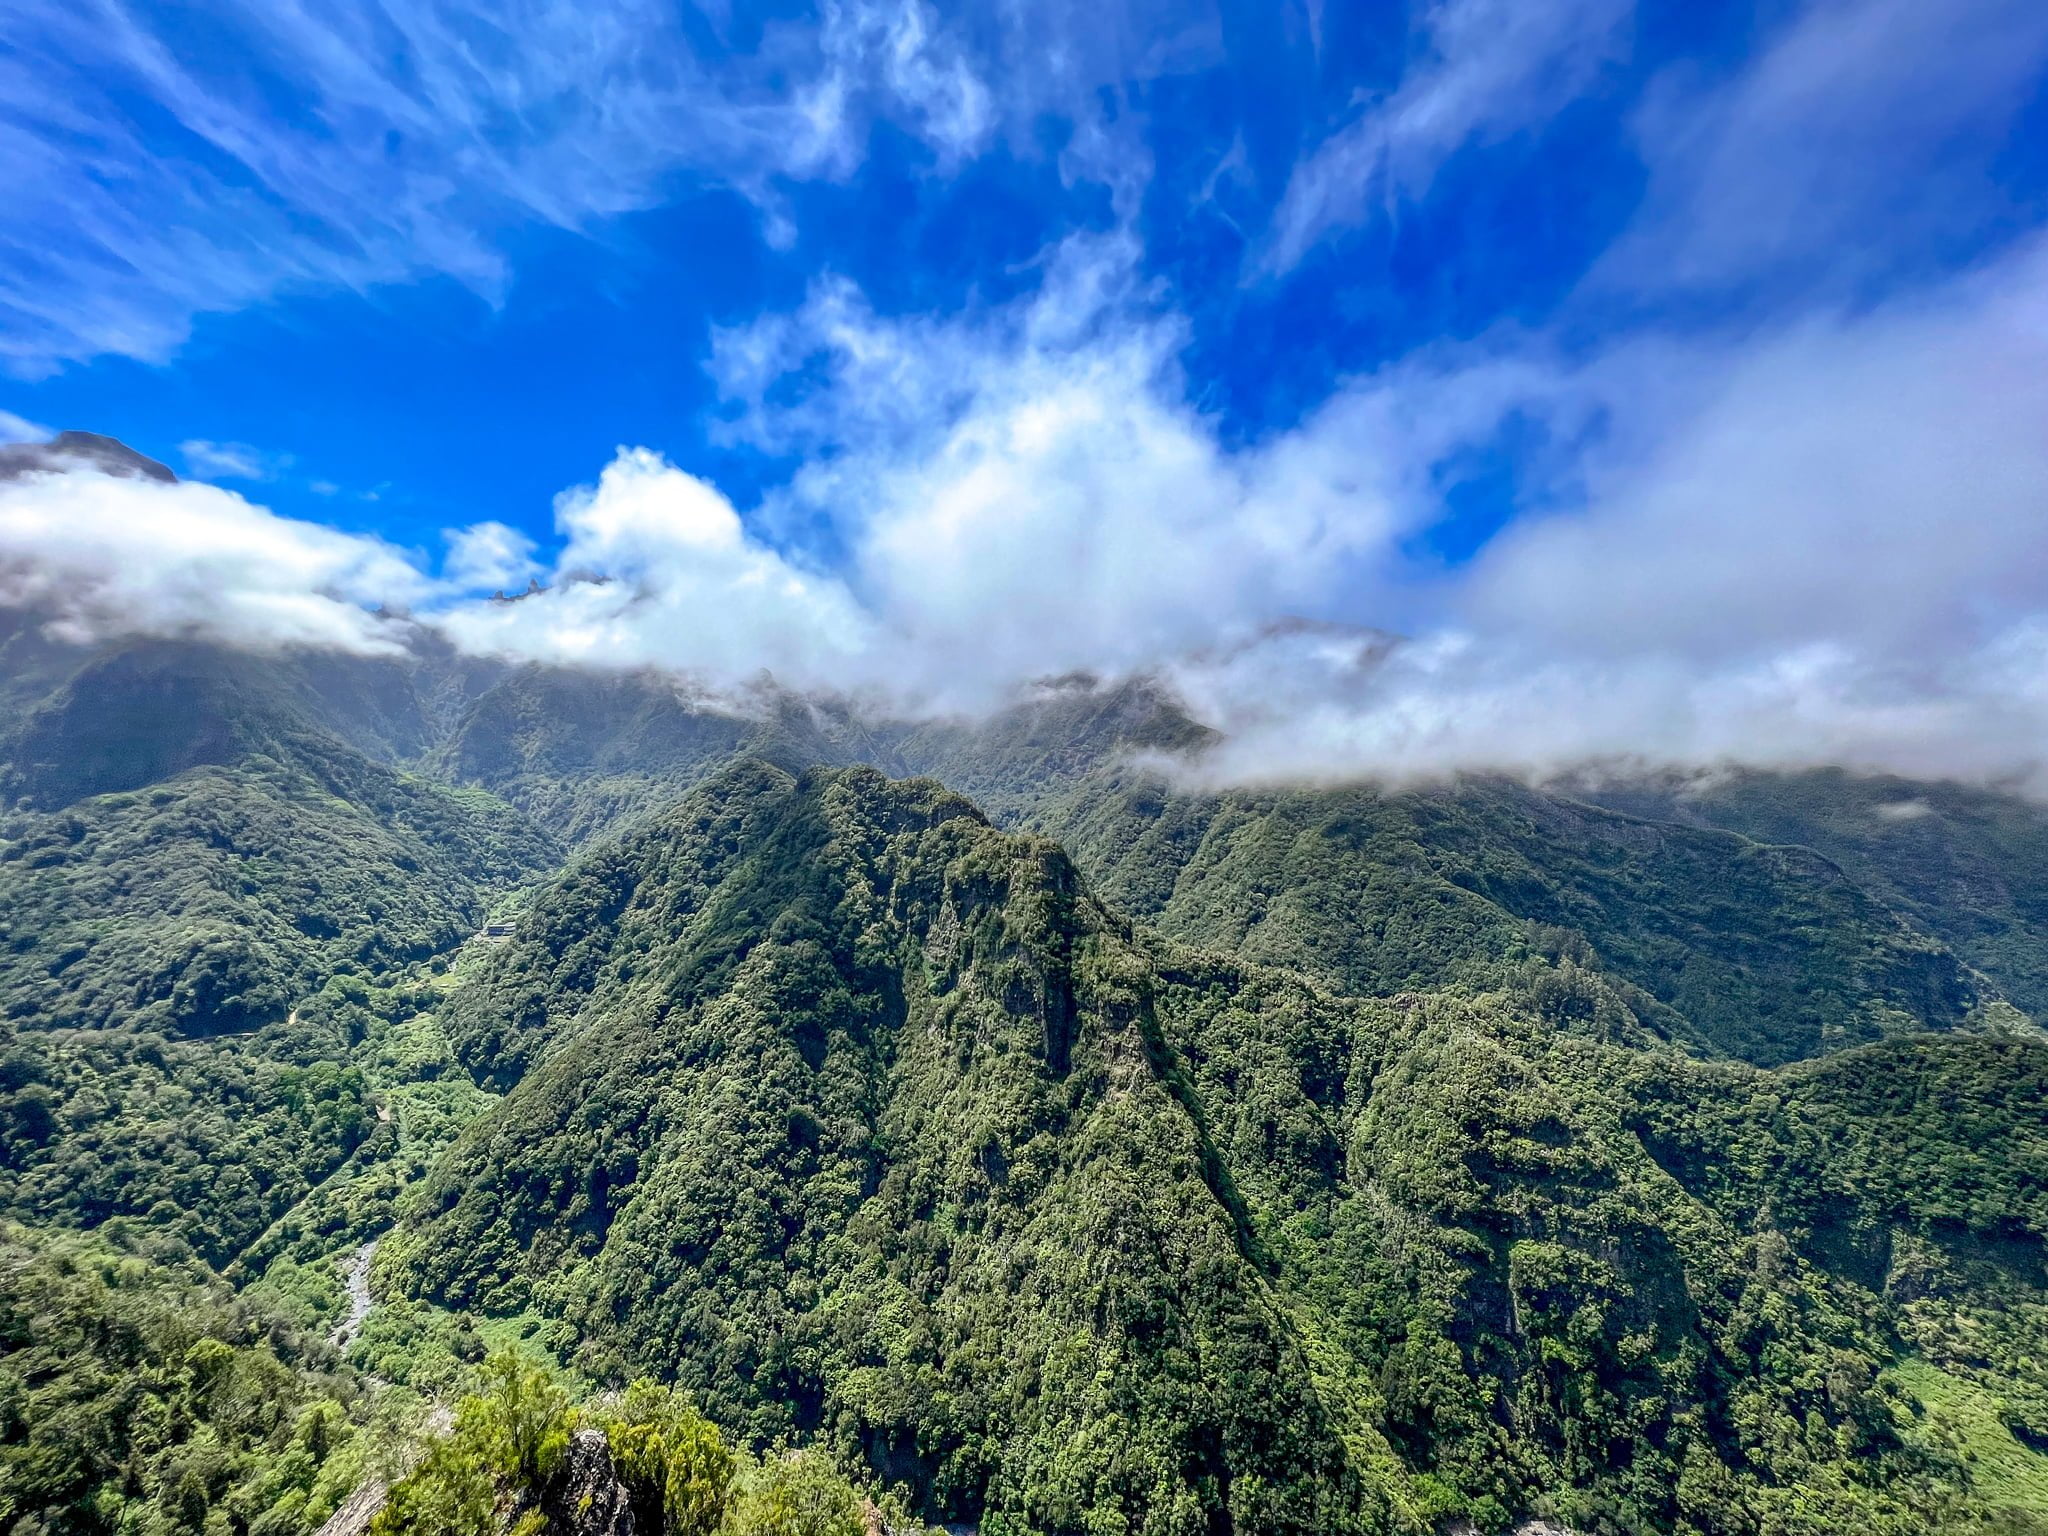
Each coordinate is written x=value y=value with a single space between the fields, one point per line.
x=586 y=1497
x=356 y=1512
x=79 y=450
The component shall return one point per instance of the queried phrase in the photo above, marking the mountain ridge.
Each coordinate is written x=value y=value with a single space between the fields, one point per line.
x=616 y=1045
x=1098 y=1151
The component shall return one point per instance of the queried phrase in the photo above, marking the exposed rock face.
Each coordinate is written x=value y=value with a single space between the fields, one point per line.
x=586 y=1497
x=80 y=450
x=357 y=1511
x=356 y=1281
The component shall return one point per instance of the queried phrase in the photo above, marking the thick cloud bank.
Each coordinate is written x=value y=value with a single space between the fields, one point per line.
x=1824 y=544
x=114 y=555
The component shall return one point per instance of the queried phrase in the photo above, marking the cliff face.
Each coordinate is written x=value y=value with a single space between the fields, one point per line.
x=586 y=1497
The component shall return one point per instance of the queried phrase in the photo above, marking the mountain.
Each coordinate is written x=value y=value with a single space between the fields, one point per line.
x=194 y=844
x=72 y=451
x=867 y=1122
x=1966 y=864
x=1760 y=948
x=848 y=1110
x=1741 y=947
x=1050 y=1140
x=585 y=753
x=132 y=1382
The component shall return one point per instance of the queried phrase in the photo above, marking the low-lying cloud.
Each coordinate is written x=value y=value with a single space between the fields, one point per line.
x=1821 y=538
x=1823 y=544
x=108 y=556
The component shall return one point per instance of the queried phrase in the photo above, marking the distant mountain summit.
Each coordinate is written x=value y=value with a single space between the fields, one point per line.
x=80 y=450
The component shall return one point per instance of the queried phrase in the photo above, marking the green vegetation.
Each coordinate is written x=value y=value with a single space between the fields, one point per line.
x=1960 y=1419
x=191 y=851
x=721 y=1174
x=210 y=1140
x=522 y=1458
x=1466 y=1153
x=865 y=1122
x=585 y=754
x=581 y=753
x=1968 y=865
x=1763 y=953
x=213 y=901
x=139 y=1394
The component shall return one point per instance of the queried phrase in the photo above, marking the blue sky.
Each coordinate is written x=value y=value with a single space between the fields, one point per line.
x=1440 y=319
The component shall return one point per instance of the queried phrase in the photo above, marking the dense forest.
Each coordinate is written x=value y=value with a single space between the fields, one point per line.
x=871 y=1123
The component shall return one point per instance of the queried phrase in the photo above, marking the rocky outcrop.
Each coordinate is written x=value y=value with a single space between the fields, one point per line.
x=80 y=450
x=357 y=1511
x=586 y=1497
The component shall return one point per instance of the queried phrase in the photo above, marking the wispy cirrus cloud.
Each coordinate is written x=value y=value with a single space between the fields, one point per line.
x=231 y=461
x=1860 y=142
x=1483 y=70
x=330 y=145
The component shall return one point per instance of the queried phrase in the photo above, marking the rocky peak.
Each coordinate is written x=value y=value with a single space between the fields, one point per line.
x=80 y=450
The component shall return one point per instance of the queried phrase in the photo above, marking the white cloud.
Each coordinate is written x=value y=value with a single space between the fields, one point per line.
x=1822 y=543
x=230 y=461
x=657 y=569
x=1023 y=490
x=489 y=557
x=1876 y=479
x=19 y=429
x=103 y=556
x=1457 y=702
x=324 y=144
x=1815 y=539
x=925 y=71
x=1485 y=71
x=1861 y=116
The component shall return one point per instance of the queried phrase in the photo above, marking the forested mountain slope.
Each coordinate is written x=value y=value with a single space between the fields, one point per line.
x=868 y=1121
x=1758 y=951
x=1763 y=952
x=1966 y=864
x=1769 y=940
x=139 y=1393
x=588 y=752
x=193 y=847
x=818 y=1082
x=1178 y=1159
